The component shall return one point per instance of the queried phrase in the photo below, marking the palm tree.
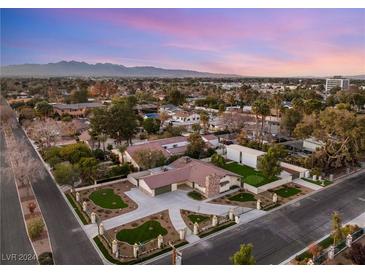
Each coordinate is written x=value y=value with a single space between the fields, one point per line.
x=122 y=148
x=204 y=119
x=261 y=108
x=102 y=138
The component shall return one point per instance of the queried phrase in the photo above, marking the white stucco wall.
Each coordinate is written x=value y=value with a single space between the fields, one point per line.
x=247 y=159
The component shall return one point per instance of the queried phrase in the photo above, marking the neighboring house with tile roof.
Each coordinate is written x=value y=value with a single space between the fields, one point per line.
x=75 y=110
x=168 y=146
x=205 y=177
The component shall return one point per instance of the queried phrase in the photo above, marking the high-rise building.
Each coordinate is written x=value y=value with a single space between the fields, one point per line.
x=337 y=81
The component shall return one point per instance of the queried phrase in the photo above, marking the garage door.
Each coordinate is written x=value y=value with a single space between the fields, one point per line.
x=163 y=189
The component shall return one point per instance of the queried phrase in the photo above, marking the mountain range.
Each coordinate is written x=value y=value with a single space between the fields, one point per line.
x=75 y=68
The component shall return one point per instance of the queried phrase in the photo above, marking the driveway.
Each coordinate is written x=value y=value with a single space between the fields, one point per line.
x=172 y=201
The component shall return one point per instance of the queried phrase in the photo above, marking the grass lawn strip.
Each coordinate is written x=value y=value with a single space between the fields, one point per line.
x=286 y=192
x=195 y=218
x=84 y=220
x=319 y=183
x=106 y=198
x=195 y=195
x=242 y=197
x=143 y=233
x=249 y=174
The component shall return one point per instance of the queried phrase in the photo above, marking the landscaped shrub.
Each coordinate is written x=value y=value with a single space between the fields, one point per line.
x=99 y=154
x=120 y=170
x=195 y=195
x=35 y=228
x=46 y=258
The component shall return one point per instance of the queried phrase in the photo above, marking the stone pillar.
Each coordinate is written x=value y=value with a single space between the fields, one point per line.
x=314 y=177
x=182 y=234
x=275 y=198
x=159 y=241
x=214 y=221
x=331 y=177
x=93 y=217
x=258 y=204
x=237 y=219
x=114 y=246
x=348 y=240
x=196 y=229
x=135 y=250
x=348 y=170
x=310 y=262
x=84 y=206
x=77 y=197
x=231 y=214
x=307 y=174
x=320 y=178
x=101 y=229
x=331 y=252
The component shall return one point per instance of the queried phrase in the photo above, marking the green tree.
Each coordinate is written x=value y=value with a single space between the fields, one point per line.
x=175 y=97
x=151 y=125
x=243 y=256
x=122 y=148
x=269 y=163
x=261 y=108
x=88 y=168
x=122 y=122
x=196 y=146
x=217 y=159
x=79 y=96
x=337 y=234
x=204 y=119
x=66 y=174
x=290 y=119
x=148 y=158
x=43 y=108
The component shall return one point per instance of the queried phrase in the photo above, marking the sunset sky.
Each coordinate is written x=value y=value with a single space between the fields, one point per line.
x=250 y=42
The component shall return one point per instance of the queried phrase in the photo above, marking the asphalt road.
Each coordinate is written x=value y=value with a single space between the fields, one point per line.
x=69 y=242
x=15 y=244
x=282 y=233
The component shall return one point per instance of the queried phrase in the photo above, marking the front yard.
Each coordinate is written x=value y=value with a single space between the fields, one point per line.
x=106 y=198
x=320 y=183
x=249 y=175
x=287 y=191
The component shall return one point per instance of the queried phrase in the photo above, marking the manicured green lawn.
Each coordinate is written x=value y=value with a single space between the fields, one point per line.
x=195 y=195
x=145 y=232
x=106 y=198
x=286 y=192
x=326 y=182
x=195 y=218
x=242 y=197
x=249 y=174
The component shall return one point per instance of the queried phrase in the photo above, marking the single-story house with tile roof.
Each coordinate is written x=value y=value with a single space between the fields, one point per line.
x=205 y=177
x=76 y=110
x=244 y=155
x=168 y=146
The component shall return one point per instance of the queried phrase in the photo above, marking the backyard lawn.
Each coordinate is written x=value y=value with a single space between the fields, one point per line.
x=106 y=198
x=195 y=218
x=143 y=233
x=286 y=192
x=243 y=197
x=249 y=174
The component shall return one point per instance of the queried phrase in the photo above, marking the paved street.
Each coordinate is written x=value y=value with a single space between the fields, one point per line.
x=14 y=239
x=279 y=235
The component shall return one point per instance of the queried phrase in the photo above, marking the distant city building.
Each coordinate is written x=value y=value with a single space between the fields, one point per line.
x=337 y=81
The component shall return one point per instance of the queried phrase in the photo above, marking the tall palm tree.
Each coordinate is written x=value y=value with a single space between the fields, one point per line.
x=102 y=138
x=261 y=108
x=122 y=148
x=204 y=119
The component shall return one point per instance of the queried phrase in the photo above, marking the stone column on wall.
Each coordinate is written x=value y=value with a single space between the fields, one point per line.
x=237 y=219
x=196 y=229
x=101 y=229
x=331 y=252
x=275 y=198
x=258 y=204
x=182 y=234
x=77 y=196
x=215 y=220
x=93 y=217
x=135 y=250
x=114 y=246
x=314 y=177
x=159 y=241
x=84 y=206
x=349 y=240
x=231 y=214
